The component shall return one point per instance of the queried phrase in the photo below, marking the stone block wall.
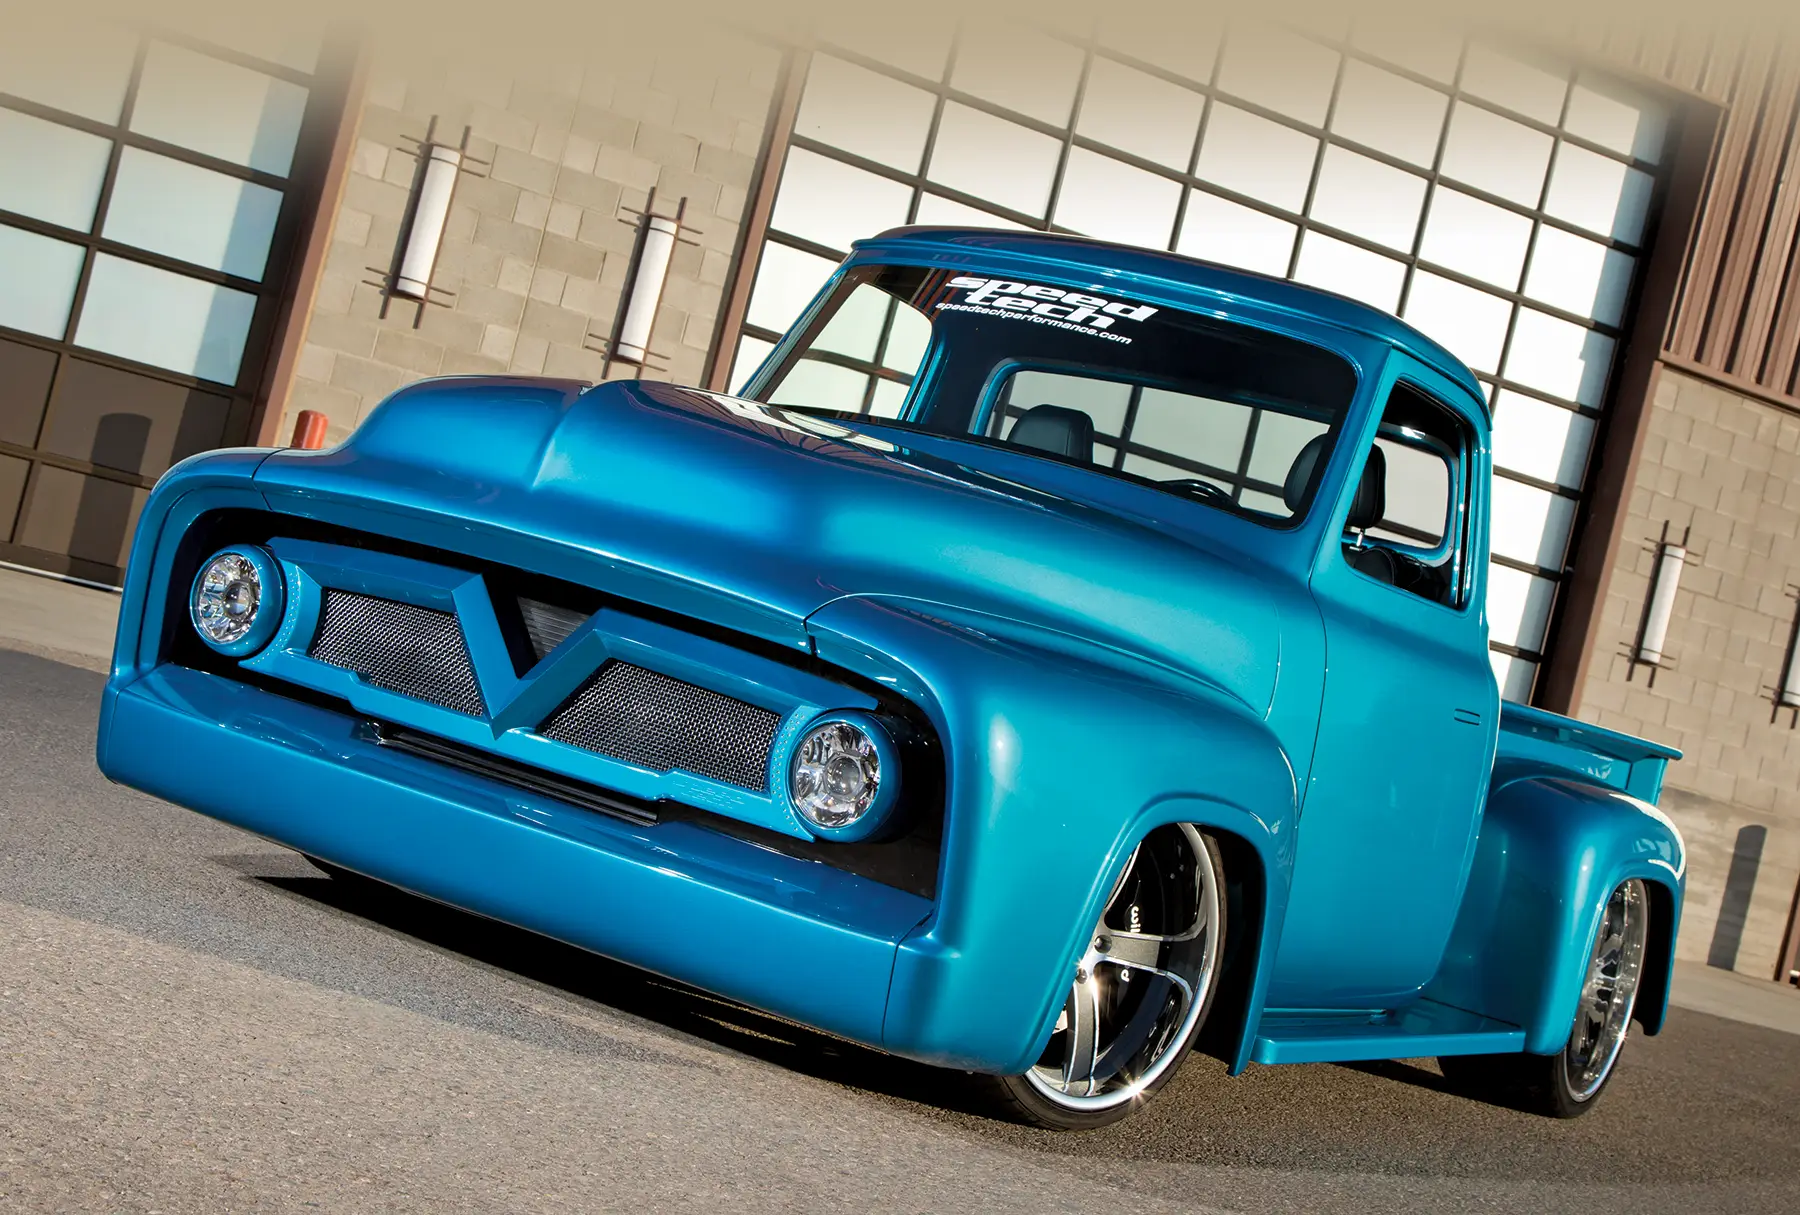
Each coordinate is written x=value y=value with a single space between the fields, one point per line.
x=536 y=249
x=1727 y=468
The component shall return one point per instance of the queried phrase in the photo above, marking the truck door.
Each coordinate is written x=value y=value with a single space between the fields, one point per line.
x=1410 y=712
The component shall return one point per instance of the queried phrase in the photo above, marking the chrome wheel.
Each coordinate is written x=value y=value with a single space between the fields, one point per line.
x=1142 y=986
x=1610 y=992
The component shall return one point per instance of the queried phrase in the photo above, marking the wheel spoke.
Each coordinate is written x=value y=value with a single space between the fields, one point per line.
x=1140 y=950
x=1084 y=1035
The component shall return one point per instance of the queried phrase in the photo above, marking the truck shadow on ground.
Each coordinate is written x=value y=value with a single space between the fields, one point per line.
x=1391 y=1117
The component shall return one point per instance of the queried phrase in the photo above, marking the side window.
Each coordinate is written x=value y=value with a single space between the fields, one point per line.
x=1408 y=522
x=862 y=360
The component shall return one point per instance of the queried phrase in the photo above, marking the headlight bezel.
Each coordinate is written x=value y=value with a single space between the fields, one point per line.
x=270 y=605
x=880 y=811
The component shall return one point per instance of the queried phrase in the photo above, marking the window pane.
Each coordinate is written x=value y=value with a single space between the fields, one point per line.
x=751 y=352
x=1018 y=67
x=1559 y=358
x=1514 y=675
x=1102 y=400
x=1368 y=199
x=1580 y=276
x=1598 y=193
x=1350 y=270
x=1279 y=70
x=1221 y=231
x=39 y=283
x=50 y=172
x=855 y=328
x=909 y=334
x=1417 y=495
x=889 y=400
x=1518 y=607
x=832 y=204
x=1199 y=428
x=1140 y=113
x=991 y=158
x=1541 y=440
x=1519 y=86
x=1468 y=323
x=1254 y=156
x=1615 y=117
x=936 y=209
x=1114 y=201
x=1530 y=524
x=166 y=320
x=218 y=109
x=82 y=67
x=1279 y=438
x=1496 y=154
x=786 y=281
x=821 y=385
x=1389 y=113
x=864 y=112
x=191 y=213
x=1475 y=238
x=1429 y=52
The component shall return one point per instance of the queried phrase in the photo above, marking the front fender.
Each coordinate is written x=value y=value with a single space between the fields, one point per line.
x=1060 y=756
x=1551 y=852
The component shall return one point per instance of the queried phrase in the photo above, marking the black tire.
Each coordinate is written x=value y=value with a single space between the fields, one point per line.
x=1547 y=1084
x=1020 y=1099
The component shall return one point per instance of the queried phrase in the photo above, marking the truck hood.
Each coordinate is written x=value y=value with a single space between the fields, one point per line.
x=725 y=508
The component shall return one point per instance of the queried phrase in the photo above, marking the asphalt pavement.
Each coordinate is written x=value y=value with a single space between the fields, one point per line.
x=193 y=1019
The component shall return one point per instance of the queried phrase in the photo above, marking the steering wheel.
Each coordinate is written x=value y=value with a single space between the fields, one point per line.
x=1205 y=489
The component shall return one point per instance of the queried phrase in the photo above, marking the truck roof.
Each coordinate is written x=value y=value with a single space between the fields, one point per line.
x=1114 y=259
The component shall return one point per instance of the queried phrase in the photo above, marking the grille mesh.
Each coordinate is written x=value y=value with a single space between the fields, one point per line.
x=661 y=723
x=415 y=651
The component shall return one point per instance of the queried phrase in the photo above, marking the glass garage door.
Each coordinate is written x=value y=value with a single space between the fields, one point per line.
x=1496 y=199
x=144 y=179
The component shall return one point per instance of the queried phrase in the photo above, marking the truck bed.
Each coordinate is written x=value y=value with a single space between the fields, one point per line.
x=1535 y=739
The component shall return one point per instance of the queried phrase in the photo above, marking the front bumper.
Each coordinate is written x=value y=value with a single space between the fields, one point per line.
x=795 y=938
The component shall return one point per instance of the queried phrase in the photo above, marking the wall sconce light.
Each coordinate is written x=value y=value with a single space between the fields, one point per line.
x=1659 y=609
x=422 y=230
x=426 y=232
x=1786 y=694
x=645 y=277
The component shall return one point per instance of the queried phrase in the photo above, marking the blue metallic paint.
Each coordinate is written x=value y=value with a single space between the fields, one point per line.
x=994 y=590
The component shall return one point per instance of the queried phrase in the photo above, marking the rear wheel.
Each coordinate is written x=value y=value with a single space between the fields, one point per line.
x=1566 y=1084
x=1141 y=990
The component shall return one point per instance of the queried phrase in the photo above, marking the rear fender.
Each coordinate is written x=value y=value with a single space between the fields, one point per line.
x=1551 y=852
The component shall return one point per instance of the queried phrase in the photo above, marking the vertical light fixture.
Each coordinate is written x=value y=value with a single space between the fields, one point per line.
x=645 y=277
x=1790 y=677
x=426 y=232
x=408 y=276
x=1665 y=580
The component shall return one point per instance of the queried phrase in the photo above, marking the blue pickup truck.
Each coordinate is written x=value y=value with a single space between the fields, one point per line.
x=1058 y=658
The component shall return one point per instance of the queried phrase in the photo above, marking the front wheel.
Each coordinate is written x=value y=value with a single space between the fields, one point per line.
x=1141 y=990
x=1566 y=1084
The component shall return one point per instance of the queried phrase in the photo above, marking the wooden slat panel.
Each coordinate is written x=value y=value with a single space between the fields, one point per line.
x=1781 y=364
x=1749 y=225
x=1769 y=271
x=1694 y=308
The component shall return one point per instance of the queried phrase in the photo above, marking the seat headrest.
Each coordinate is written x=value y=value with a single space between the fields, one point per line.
x=1371 y=492
x=1056 y=429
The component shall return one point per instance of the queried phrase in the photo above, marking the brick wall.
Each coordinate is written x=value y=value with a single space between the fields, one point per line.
x=1728 y=467
x=535 y=253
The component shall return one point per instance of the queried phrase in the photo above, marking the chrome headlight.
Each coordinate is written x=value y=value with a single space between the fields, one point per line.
x=845 y=776
x=237 y=600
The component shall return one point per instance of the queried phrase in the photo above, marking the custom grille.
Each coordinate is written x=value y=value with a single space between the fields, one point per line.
x=415 y=651
x=661 y=723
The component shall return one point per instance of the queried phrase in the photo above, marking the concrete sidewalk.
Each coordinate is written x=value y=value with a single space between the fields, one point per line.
x=74 y=625
x=60 y=620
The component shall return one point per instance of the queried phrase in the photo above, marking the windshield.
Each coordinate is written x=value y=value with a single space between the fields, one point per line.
x=1219 y=412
